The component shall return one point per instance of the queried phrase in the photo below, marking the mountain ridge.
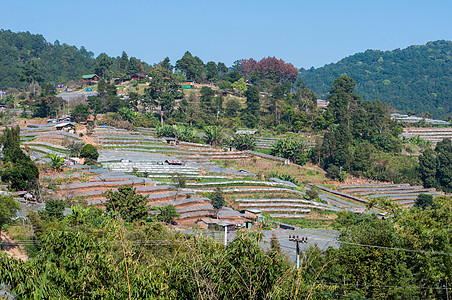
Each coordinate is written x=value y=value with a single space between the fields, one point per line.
x=417 y=78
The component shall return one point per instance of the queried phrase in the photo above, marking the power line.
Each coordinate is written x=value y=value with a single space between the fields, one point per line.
x=219 y=239
x=387 y=248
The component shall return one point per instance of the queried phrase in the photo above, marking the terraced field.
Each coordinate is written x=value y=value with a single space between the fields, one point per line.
x=434 y=135
x=148 y=163
x=404 y=194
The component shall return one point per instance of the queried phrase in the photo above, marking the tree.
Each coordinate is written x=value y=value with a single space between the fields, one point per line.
x=444 y=165
x=233 y=106
x=191 y=66
x=252 y=100
x=103 y=65
x=274 y=244
x=56 y=162
x=163 y=91
x=54 y=209
x=124 y=62
x=428 y=168
x=424 y=201
x=206 y=98
x=20 y=171
x=213 y=135
x=217 y=199
x=239 y=85
x=244 y=141
x=295 y=150
x=212 y=71
x=167 y=213
x=8 y=210
x=90 y=153
x=73 y=147
x=80 y=113
x=95 y=104
x=126 y=203
x=32 y=74
x=343 y=100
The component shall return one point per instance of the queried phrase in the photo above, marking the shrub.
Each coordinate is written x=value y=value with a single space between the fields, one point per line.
x=291 y=149
x=244 y=142
x=90 y=153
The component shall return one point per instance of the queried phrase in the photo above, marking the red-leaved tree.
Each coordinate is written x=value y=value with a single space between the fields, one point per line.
x=270 y=68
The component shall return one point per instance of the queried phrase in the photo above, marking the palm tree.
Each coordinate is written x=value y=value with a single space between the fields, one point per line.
x=214 y=135
x=57 y=162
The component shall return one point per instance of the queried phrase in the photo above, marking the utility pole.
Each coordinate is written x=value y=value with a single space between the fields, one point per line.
x=298 y=240
x=225 y=235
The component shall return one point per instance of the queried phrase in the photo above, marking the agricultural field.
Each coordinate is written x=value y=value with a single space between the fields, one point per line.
x=434 y=135
x=152 y=165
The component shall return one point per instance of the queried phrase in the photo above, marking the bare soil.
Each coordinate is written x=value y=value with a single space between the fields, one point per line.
x=10 y=247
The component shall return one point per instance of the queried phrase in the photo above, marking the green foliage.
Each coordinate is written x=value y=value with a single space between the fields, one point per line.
x=182 y=133
x=40 y=60
x=179 y=180
x=19 y=170
x=435 y=167
x=295 y=150
x=80 y=113
x=244 y=141
x=56 y=162
x=8 y=210
x=274 y=244
x=239 y=85
x=424 y=201
x=285 y=177
x=252 y=100
x=126 y=203
x=217 y=198
x=191 y=66
x=402 y=78
x=73 y=147
x=312 y=193
x=48 y=106
x=213 y=135
x=364 y=140
x=372 y=257
x=167 y=213
x=90 y=153
x=54 y=210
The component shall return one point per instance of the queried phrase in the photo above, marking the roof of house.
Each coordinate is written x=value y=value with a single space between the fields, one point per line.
x=253 y=210
x=138 y=75
x=64 y=124
x=245 y=132
x=88 y=76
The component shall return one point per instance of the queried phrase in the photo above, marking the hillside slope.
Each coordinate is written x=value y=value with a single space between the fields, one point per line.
x=417 y=78
x=55 y=62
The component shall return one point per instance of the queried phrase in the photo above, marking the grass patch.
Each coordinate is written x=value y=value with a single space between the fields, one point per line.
x=309 y=223
x=265 y=168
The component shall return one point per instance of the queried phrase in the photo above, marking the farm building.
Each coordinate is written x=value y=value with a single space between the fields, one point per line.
x=252 y=213
x=90 y=79
x=68 y=126
x=215 y=224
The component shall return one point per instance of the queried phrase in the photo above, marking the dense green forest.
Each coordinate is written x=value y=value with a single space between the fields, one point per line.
x=28 y=58
x=25 y=55
x=417 y=78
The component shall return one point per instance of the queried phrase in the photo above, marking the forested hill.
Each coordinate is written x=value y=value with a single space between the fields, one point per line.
x=23 y=51
x=417 y=78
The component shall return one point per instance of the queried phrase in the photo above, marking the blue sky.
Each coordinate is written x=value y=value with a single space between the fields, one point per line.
x=304 y=33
